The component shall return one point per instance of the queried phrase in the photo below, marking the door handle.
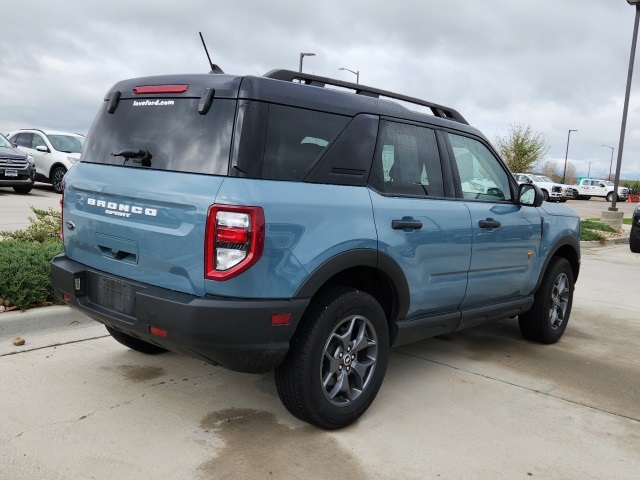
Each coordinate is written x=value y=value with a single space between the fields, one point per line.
x=489 y=223
x=406 y=222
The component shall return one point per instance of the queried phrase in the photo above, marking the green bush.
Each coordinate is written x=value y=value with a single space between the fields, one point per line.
x=45 y=227
x=25 y=257
x=24 y=271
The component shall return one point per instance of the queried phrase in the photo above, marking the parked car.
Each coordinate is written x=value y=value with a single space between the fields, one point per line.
x=552 y=191
x=634 y=236
x=17 y=169
x=263 y=223
x=54 y=152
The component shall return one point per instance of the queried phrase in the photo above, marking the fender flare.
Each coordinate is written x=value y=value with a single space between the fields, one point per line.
x=341 y=262
x=567 y=241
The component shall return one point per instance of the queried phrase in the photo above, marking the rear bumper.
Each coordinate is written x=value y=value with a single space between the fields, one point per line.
x=234 y=333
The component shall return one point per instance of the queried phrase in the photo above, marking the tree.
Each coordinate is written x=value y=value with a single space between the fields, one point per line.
x=522 y=148
x=550 y=169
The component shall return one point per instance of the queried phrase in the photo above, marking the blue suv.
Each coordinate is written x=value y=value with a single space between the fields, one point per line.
x=301 y=224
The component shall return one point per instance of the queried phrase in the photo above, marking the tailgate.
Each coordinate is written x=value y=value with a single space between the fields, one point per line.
x=144 y=225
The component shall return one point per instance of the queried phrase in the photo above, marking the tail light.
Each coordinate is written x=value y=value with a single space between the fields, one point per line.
x=234 y=240
x=62 y=214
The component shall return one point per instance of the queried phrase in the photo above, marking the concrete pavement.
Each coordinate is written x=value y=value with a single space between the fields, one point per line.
x=479 y=404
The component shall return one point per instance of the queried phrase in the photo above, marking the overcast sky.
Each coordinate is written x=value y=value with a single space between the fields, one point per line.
x=552 y=64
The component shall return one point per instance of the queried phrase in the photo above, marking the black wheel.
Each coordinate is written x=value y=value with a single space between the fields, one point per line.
x=545 y=194
x=135 y=343
x=610 y=197
x=548 y=318
x=634 y=243
x=23 y=188
x=586 y=197
x=56 y=178
x=337 y=362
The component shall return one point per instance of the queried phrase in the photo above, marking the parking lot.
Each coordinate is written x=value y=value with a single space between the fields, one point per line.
x=15 y=209
x=481 y=404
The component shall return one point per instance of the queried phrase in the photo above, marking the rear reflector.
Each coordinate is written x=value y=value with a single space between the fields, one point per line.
x=281 y=319
x=66 y=298
x=158 y=332
x=154 y=89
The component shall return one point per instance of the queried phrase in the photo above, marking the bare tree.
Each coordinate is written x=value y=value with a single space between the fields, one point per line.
x=522 y=148
x=550 y=169
x=571 y=177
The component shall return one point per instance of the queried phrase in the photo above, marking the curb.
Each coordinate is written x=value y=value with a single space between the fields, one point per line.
x=45 y=327
x=607 y=242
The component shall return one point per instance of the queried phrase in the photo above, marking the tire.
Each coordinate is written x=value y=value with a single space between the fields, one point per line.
x=548 y=318
x=23 y=189
x=56 y=178
x=562 y=200
x=337 y=361
x=610 y=197
x=545 y=195
x=135 y=343
x=634 y=243
x=586 y=197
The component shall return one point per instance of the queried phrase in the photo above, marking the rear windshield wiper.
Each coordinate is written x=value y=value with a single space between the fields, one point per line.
x=139 y=156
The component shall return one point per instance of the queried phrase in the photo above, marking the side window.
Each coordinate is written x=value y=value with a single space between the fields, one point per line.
x=481 y=174
x=38 y=141
x=23 y=139
x=295 y=138
x=407 y=161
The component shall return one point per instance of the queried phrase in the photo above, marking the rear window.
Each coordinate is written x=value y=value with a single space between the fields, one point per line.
x=174 y=134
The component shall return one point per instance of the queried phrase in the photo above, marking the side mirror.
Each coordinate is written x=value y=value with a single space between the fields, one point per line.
x=42 y=148
x=530 y=195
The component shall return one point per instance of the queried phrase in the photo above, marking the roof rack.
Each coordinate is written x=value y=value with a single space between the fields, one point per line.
x=318 y=81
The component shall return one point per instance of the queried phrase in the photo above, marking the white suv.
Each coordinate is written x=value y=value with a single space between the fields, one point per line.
x=53 y=152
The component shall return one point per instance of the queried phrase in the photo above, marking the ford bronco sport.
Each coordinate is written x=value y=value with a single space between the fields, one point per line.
x=281 y=223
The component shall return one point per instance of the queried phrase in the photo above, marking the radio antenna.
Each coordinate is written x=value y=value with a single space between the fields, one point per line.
x=214 y=68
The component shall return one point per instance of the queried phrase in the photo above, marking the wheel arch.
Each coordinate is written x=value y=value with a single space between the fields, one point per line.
x=56 y=165
x=569 y=248
x=373 y=272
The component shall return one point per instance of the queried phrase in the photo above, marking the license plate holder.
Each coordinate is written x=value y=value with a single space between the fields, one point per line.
x=115 y=294
x=11 y=172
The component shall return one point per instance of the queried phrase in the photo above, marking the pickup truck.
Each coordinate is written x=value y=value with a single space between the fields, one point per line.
x=590 y=187
x=553 y=192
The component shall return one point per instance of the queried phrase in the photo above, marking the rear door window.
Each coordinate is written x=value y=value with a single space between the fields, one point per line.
x=407 y=161
x=23 y=139
x=172 y=132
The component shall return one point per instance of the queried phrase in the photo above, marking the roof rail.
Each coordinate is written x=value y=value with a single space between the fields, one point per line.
x=318 y=81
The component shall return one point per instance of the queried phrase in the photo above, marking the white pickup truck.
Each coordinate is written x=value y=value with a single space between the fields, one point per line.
x=553 y=192
x=591 y=187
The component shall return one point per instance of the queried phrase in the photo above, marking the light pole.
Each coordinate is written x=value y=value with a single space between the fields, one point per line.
x=302 y=55
x=633 y=3
x=566 y=155
x=589 y=172
x=611 y=162
x=356 y=73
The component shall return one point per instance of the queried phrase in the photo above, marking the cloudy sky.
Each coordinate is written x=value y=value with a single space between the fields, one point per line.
x=552 y=64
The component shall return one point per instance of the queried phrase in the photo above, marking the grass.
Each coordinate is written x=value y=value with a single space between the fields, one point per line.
x=592 y=229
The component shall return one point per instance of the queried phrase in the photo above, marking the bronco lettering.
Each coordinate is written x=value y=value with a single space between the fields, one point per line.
x=121 y=209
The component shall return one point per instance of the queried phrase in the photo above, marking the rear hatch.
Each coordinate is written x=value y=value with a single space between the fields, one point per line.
x=158 y=151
